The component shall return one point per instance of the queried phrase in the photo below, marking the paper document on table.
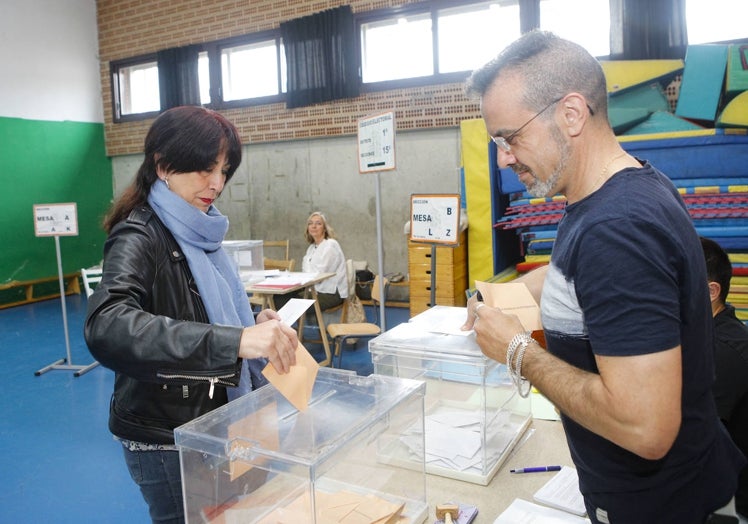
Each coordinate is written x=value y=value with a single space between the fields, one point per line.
x=446 y=320
x=251 y=277
x=523 y=512
x=286 y=279
x=293 y=309
x=562 y=492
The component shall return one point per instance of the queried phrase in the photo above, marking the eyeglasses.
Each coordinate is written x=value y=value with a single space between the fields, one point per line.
x=505 y=144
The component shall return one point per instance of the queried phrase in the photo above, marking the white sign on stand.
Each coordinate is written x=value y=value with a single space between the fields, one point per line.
x=376 y=153
x=56 y=220
x=376 y=143
x=435 y=219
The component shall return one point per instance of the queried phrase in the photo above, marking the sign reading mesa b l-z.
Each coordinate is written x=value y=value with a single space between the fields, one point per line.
x=435 y=218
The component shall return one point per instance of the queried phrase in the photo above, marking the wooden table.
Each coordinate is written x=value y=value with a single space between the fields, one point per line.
x=266 y=294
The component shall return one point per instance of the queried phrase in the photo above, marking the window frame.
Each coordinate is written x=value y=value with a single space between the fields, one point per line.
x=213 y=49
x=216 y=81
x=431 y=7
x=114 y=69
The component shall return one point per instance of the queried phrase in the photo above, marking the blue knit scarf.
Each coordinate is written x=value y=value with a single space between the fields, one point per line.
x=200 y=236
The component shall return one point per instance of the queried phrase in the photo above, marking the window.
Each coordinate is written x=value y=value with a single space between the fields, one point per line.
x=135 y=88
x=434 y=41
x=253 y=70
x=472 y=35
x=203 y=73
x=396 y=48
x=249 y=69
x=716 y=20
x=591 y=31
x=429 y=42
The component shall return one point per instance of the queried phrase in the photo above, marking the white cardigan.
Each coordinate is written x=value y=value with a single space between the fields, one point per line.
x=327 y=257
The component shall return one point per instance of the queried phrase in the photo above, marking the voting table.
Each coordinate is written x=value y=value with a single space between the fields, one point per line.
x=290 y=282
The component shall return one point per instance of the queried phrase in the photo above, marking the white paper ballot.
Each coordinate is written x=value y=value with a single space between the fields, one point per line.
x=446 y=320
x=293 y=309
x=523 y=512
x=562 y=492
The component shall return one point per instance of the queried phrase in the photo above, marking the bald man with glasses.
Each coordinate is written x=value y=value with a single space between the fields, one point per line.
x=626 y=314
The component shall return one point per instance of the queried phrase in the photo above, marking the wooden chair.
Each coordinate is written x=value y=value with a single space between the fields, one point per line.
x=284 y=244
x=331 y=312
x=276 y=263
x=339 y=333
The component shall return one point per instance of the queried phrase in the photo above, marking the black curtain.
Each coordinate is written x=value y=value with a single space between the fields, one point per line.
x=647 y=30
x=178 y=80
x=321 y=56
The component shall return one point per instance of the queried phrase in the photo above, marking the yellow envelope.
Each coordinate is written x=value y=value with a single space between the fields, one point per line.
x=296 y=385
x=512 y=298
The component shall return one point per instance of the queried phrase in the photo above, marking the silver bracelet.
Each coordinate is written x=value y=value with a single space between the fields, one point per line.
x=517 y=346
x=523 y=385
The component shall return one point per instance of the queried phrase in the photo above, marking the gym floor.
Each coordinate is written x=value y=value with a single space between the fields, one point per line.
x=61 y=464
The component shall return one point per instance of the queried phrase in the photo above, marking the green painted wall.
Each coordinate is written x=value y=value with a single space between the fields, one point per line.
x=44 y=162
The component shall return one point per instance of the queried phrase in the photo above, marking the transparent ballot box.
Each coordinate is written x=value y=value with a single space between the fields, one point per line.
x=474 y=416
x=260 y=460
x=248 y=255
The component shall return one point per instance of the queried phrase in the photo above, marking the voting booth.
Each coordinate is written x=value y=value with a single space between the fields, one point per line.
x=356 y=452
x=474 y=416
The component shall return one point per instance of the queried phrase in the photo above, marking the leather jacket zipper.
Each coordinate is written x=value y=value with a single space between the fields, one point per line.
x=211 y=380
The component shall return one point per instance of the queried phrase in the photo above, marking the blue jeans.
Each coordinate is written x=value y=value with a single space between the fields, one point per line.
x=158 y=475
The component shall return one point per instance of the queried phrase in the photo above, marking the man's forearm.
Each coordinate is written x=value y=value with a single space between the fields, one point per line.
x=628 y=420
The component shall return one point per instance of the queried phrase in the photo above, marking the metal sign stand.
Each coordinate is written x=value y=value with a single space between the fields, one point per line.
x=376 y=153
x=59 y=220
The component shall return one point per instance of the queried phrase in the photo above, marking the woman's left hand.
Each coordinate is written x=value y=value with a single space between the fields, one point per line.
x=267 y=314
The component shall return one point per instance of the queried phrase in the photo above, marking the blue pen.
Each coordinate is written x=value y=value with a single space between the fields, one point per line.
x=536 y=469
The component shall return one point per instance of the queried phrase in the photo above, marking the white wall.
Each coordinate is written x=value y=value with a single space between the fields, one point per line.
x=49 y=65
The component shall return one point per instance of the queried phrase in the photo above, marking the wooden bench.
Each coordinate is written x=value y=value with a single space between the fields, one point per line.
x=72 y=286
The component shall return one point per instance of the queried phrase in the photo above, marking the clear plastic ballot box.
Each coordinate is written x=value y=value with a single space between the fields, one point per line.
x=474 y=416
x=248 y=255
x=356 y=453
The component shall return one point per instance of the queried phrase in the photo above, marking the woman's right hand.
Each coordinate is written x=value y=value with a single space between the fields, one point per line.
x=272 y=340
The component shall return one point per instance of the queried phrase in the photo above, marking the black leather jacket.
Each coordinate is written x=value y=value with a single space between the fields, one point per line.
x=147 y=323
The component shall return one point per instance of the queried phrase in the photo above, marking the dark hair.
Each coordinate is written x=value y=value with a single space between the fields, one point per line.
x=181 y=140
x=551 y=68
x=718 y=266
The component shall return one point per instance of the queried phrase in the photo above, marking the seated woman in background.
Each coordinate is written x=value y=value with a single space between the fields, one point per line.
x=324 y=255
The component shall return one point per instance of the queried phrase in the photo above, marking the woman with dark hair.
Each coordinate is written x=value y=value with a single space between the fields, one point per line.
x=170 y=316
